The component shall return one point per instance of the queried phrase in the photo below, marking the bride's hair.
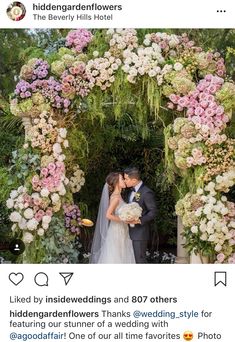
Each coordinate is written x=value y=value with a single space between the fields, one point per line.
x=112 y=180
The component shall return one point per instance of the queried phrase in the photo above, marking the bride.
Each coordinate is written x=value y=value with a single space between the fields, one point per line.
x=111 y=242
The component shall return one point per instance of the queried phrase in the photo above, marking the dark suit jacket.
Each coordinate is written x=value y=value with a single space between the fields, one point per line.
x=146 y=199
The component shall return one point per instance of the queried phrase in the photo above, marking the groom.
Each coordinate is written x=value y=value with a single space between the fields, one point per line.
x=139 y=230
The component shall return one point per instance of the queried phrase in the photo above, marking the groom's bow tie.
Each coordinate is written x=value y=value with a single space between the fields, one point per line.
x=133 y=189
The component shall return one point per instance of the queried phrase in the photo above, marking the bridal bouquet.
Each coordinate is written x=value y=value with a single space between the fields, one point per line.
x=130 y=212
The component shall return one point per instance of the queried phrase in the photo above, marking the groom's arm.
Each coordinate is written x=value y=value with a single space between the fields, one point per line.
x=150 y=204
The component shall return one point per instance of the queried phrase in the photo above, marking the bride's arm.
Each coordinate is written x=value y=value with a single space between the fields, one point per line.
x=111 y=209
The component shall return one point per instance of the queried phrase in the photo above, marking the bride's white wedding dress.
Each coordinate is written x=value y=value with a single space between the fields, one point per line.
x=117 y=248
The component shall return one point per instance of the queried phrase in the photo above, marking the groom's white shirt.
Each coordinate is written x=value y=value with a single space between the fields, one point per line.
x=136 y=190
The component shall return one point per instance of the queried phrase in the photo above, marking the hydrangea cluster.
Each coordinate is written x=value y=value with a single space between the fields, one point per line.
x=209 y=62
x=45 y=135
x=178 y=81
x=202 y=107
x=145 y=61
x=36 y=68
x=169 y=44
x=225 y=181
x=226 y=96
x=77 y=180
x=210 y=218
x=73 y=220
x=32 y=96
x=78 y=39
x=32 y=214
x=76 y=81
x=121 y=39
x=33 y=211
x=186 y=144
x=220 y=159
x=103 y=69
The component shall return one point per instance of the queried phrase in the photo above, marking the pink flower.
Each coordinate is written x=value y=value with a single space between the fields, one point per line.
x=38 y=216
x=189 y=161
x=199 y=111
x=37 y=201
x=220 y=257
x=174 y=98
x=209 y=112
x=44 y=171
x=179 y=108
x=204 y=104
x=51 y=166
x=170 y=105
x=220 y=110
x=35 y=180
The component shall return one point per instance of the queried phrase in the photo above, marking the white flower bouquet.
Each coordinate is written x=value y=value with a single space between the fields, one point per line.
x=130 y=212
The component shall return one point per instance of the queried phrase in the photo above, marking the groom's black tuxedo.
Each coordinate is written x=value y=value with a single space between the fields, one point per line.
x=139 y=234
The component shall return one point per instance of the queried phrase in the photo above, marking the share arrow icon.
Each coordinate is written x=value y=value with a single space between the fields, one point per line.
x=66 y=276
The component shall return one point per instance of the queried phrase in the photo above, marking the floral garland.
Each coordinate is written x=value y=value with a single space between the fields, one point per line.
x=192 y=82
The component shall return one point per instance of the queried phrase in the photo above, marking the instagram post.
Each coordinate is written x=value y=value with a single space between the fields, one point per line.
x=117 y=171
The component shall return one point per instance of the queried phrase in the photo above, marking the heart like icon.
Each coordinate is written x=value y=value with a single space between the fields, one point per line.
x=16 y=278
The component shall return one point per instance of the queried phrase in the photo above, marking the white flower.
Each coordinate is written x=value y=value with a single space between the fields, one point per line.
x=202 y=227
x=22 y=224
x=130 y=211
x=45 y=226
x=95 y=53
x=200 y=191
x=10 y=203
x=44 y=192
x=28 y=213
x=57 y=148
x=203 y=237
x=224 y=198
x=207 y=209
x=27 y=237
x=198 y=212
x=232 y=224
x=66 y=144
x=224 y=211
x=194 y=229
x=13 y=227
x=147 y=42
x=14 y=194
x=15 y=217
x=35 y=195
x=152 y=73
x=46 y=219
x=178 y=66
x=62 y=190
x=218 y=247
x=40 y=231
x=210 y=187
x=55 y=198
x=32 y=224
x=212 y=238
x=63 y=132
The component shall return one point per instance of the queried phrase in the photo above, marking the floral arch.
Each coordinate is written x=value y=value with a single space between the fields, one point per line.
x=176 y=79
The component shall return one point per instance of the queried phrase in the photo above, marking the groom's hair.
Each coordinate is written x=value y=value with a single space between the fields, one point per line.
x=132 y=172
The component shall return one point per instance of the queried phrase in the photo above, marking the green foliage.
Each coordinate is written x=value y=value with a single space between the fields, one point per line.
x=59 y=245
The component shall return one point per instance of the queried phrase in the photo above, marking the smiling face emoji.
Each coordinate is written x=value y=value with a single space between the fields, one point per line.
x=188 y=335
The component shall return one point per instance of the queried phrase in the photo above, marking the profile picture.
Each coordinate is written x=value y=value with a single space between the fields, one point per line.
x=16 y=11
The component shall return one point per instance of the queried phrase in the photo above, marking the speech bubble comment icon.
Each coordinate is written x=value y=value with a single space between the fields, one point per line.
x=41 y=279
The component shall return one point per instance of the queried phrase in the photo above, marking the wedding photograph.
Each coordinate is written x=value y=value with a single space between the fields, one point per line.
x=117 y=146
